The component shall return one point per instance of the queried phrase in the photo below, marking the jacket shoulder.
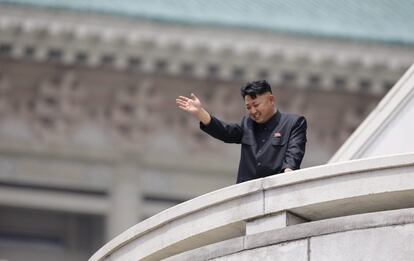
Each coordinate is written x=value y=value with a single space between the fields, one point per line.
x=291 y=117
x=246 y=122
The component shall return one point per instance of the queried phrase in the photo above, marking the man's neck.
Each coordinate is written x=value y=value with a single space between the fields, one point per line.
x=271 y=116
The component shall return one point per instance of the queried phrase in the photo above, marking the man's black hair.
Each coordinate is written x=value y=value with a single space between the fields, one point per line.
x=255 y=88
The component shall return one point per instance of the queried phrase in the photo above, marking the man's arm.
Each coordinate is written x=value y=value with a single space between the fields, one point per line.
x=296 y=146
x=230 y=133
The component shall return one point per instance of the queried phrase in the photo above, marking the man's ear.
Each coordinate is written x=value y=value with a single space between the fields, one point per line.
x=272 y=98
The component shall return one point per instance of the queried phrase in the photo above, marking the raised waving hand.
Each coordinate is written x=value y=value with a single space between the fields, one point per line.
x=193 y=106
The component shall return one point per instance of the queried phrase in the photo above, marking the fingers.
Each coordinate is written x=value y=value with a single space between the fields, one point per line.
x=181 y=103
x=187 y=104
x=194 y=97
x=183 y=98
x=183 y=108
x=186 y=98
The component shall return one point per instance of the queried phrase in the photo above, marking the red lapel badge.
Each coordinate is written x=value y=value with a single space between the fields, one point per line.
x=277 y=135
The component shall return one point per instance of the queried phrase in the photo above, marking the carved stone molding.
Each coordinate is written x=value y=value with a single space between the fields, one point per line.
x=203 y=53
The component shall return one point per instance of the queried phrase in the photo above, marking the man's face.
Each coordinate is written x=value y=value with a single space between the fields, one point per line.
x=260 y=109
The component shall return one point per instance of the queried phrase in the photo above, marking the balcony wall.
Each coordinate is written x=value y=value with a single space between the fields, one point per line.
x=355 y=210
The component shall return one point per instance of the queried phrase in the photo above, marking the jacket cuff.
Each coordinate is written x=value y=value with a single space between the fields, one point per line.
x=285 y=166
x=206 y=127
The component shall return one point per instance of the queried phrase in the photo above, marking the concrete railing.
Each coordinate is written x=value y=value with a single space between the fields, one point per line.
x=293 y=207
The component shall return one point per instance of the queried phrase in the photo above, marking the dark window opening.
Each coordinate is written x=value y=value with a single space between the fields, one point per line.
x=27 y=238
x=314 y=80
x=187 y=68
x=81 y=57
x=134 y=62
x=288 y=77
x=29 y=51
x=54 y=54
x=364 y=84
x=238 y=72
x=107 y=59
x=5 y=49
x=161 y=65
x=263 y=74
x=213 y=70
x=339 y=82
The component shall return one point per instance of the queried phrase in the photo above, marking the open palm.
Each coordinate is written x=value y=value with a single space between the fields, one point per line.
x=192 y=105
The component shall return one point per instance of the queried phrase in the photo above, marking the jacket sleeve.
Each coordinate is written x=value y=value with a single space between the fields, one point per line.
x=229 y=133
x=296 y=145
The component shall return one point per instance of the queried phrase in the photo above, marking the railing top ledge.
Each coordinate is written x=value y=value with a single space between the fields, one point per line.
x=339 y=169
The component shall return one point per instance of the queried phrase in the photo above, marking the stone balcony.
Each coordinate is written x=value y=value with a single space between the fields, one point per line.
x=354 y=210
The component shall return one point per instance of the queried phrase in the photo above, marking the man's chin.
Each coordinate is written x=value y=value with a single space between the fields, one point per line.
x=257 y=120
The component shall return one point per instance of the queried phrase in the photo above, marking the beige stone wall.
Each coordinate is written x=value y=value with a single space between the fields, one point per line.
x=49 y=103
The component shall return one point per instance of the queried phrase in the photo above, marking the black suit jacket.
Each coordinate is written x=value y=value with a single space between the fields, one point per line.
x=283 y=148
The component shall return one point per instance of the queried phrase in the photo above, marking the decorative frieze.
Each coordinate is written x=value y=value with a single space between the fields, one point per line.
x=199 y=52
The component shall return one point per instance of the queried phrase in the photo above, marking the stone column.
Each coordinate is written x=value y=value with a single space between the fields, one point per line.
x=125 y=199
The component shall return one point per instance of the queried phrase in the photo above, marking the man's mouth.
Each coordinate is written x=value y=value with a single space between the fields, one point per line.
x=256 y=116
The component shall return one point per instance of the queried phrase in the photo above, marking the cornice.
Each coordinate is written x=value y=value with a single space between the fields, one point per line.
x=201 y=52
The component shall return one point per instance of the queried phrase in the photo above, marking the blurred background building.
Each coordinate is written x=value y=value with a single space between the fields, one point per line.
x=90 y=139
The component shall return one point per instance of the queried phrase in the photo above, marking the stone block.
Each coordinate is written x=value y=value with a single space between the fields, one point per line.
x=379 y=244
x=270 y=222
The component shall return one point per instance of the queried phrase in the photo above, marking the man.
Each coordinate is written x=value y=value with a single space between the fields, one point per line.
x=272 y=142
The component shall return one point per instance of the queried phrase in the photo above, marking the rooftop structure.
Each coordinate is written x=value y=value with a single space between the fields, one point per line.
x=383 y=21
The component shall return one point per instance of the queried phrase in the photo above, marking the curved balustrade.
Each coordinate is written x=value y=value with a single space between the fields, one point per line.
x=243 y=219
